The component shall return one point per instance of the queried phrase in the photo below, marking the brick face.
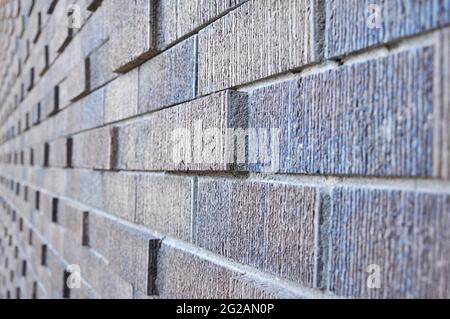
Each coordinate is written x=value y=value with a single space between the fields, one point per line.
x=348 y=30
x=224 y=61
x=259 y=224
x=404 y=233
x=224 y=149
x=341 y=134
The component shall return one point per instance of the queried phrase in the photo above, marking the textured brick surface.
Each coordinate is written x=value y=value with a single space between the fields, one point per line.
x=224 y=149
x=405 y=233
x=158 y=141
x=95 y=149
x=164 y=204
x=326 y=130
x=133 y=32
x=259 y=224
x=350 y=25
x=169 y=78
x=225 y=61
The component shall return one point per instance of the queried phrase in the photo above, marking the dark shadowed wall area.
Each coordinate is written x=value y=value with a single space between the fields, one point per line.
x=224 y=148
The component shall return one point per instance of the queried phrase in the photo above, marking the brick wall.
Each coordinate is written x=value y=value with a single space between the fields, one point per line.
x=226 y=148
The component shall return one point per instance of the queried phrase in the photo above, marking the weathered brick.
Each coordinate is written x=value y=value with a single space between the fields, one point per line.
x=164 y=204
x=133 y=32
x=278 y=37
x=168 y=78
x=350 y=24
x=94 y=149
x=168 y=140
x=404 y=233
x=326 y=129
x=268 y=226
x=121 y=97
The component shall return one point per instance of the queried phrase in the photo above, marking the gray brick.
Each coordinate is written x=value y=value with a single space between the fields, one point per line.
x=268 y=226
x=278 y=37
x=168 y=78
x=404 y=233
x=78 y=81
x=166 y=141
x=60 y=153
x=95 y=149
x=133 y=32
x=326 y=129
x=164 y=204
x=121 y=97
x=119 y=195
x=441 y=110
x=131 y=253
x=179 y=18
x=100 y=71
x=182 y=274
x=348 y=30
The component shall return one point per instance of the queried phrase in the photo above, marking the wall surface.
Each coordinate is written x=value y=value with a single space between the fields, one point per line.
x=224 y=148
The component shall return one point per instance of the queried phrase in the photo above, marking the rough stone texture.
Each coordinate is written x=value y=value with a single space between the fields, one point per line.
x=166 y=140
x=268 y=226
x=348 y=30
x=169 y=78
x=271 y=48
x=327 y=130
x=133 y=32
x=405 y=233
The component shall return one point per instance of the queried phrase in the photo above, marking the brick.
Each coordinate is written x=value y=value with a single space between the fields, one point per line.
x=102 y=279
x=50 y=102
x=121 y=97
x=179 y=18
x=441 y=110
x=267 y=226
x=325 y=129
x=348 y=30
x=168 y=78
x=225 y=61
x=131 y=254
x=60 y=153
x=73 y=219
x=133 y=33
x=86 y=113
x=404 y=233
x=164 y=204
x=183 y=275
x=95 y=149
x=99 y=70
x=78 y=81
x=167 y=141
x=119 y=195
